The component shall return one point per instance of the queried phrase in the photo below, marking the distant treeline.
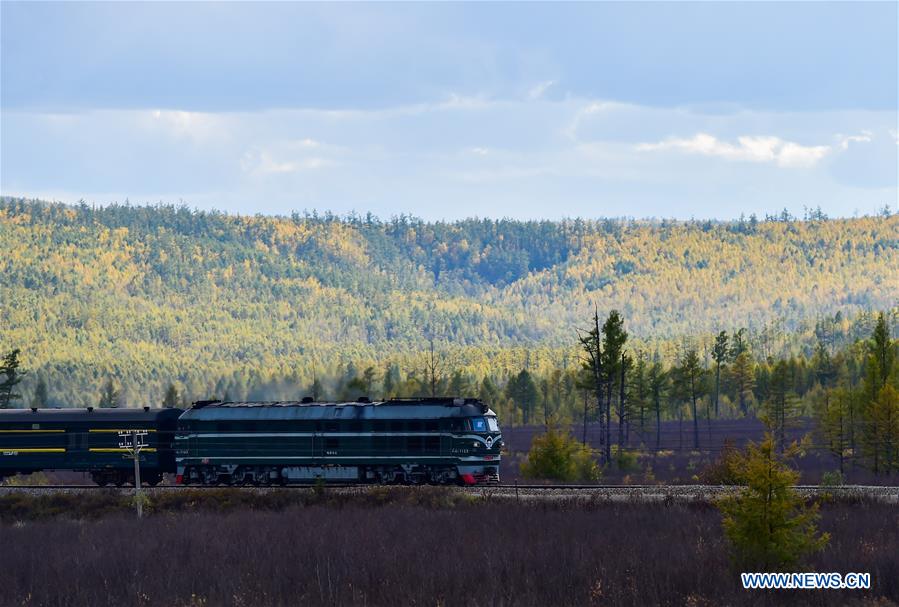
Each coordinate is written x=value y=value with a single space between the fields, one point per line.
x=122 y=301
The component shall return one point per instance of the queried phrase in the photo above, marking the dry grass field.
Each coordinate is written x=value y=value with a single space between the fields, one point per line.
x=406 y=547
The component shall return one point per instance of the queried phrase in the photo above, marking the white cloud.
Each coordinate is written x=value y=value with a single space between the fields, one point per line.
x=539 y=89
x=286 y=157
x=865 y=137
x=197 y=126
x=767 y=149
x=480 y=151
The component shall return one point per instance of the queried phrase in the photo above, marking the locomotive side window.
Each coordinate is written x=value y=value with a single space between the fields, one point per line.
x=478 y=424
x=457 y=425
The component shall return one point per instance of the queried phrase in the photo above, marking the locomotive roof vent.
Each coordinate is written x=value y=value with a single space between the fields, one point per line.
x=34 y=409
x=363 y=399
x=90 y=409
x=146 y=408
x=202 y=403
x=307 y=399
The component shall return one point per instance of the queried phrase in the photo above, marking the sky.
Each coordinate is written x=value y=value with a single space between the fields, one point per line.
x=446 y=111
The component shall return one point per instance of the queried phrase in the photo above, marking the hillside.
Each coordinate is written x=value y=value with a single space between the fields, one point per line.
x=150 y=294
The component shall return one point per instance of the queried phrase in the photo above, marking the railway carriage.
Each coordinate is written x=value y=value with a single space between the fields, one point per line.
x=427 y=440
x=34 y=439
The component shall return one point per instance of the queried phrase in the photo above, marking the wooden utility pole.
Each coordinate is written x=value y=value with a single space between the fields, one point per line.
x=138 y=442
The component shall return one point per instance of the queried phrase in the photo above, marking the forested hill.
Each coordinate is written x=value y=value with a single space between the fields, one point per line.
x=166 y=292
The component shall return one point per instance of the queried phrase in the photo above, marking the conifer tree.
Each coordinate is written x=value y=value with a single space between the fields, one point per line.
x=883 y=439
x=658 y=386
x=743 y=379
x=781 y=405
x=170 y=400
x=768 y=524
x=614 y=363
x=40 y=398
x=689 y=380
x=109 y=396
x=10 y=377
x=592 y=379
x=719 y=355
x=835 y=422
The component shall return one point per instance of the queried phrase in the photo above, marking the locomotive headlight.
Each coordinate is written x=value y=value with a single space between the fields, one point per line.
x=475 y=444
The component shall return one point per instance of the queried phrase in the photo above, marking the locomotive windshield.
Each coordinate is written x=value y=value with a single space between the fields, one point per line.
x=482 y=424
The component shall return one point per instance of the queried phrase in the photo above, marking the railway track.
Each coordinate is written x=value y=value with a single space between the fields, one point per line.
x=519 y=491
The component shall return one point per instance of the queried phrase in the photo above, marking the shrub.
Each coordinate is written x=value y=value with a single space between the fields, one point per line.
x=626 y=461
x=558 y=456
x=726 y=469
x=832 y=479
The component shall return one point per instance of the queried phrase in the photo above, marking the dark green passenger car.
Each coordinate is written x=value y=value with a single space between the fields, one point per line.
x=428 y=440
x=32 y=440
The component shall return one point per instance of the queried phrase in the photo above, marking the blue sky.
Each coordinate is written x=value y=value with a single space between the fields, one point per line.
x=454 y=110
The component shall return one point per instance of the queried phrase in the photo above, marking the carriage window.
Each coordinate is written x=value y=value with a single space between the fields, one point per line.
x=415 y=426
x=478 y=424
x=396 y=426
x=380 y=425
x=431 y=426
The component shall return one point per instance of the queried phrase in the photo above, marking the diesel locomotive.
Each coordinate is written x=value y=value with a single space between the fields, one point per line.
x=407 y=441
x=423 y=440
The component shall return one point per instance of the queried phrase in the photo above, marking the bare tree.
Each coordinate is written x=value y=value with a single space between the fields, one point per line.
x=435 y=366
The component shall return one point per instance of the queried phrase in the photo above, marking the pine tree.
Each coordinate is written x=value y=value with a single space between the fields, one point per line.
x=390 y=381
x=719 y=355
x=835 y=420
x=743 y=378
x=658 y=386
x=883 y=352
x=881 y=359
x=639 y=392
x=768 y=524
x=884 y=419
x=368 y=377
x=689 y=375
x=781 y=405
x=614 y=362
x=11 y=376
x=109 y=396
x=522 y=390
x=171 y=397
x=591 y=380
x=40 y=398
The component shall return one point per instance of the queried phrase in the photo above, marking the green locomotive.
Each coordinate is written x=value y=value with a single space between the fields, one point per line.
x=414 y=441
